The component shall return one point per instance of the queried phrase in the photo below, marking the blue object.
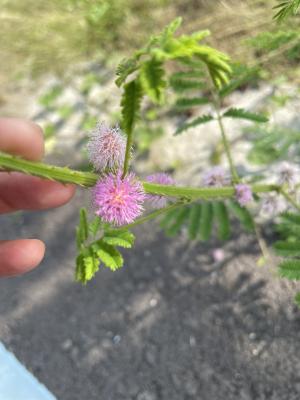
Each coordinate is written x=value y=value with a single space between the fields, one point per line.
x=16 y=383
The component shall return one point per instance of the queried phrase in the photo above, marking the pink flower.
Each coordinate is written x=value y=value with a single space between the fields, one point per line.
x=243 y=194
x=218 y=255
x=106 y=147
x=215 y=177
x=272 y=205
x=288 y=175
x=118 y=200
x=162 y=179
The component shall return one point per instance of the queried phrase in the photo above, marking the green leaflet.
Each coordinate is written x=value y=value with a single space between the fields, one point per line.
x=242 y=214
x=286 y=8
x=169 y=217
x=180 y=219
x=194 y=221
x=94 y=226
x=109 y=255
x=289 y=225
x=82 y=229
x=197 y=121
x=92 y=252
x=289 y=246
x=243 y=114
x=180 y=84
x=297 y=299
x=188 y=102
x=290 y=269
x=287 y=249
x=241 y=75
x=130 y=104
x=124 y=69
x=206 y=222
x=152 y=79
x=119 y=238
x=222 y=218
x=86 y=266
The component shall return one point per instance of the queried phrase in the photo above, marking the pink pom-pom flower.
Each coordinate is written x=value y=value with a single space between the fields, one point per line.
x=161 y=178
x=216 y=176
x=118 y=200
x=243 y=194
x=106 y=147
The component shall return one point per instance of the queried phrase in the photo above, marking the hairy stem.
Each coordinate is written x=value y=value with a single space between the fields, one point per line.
x=89 y=179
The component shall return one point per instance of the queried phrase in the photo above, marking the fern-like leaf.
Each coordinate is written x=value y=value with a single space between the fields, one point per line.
x=197 y=121
x=124 y=69
x=188 y=102
x=222 y=218
x=194 y=221
x=152 y=79
x=119 y=238
x=290 y=269
x=110 y=256
x=285 y=9
x=86 y=266
x=181 y=218
x=287 y=249
x=243 y=114
x=130 y=104
x=181 y=84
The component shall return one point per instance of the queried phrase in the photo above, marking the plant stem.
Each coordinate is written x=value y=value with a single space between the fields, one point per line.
x=88 y=179
x=217 y=105
x=234 y=174
x=154 y=214
x=127 y=152
x=261 y=242
x=61 y=174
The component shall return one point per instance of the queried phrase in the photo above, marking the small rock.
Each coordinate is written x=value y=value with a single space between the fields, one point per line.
x=192 y=341
x=153 y=302
x=150 y=357
x=146 y=395
x=67 y=344
x=116 y=339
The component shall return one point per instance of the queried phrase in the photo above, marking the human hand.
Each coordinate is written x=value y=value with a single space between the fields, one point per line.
x=22 y=192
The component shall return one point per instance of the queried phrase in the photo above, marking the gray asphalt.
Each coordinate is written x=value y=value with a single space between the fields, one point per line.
x=171 y=325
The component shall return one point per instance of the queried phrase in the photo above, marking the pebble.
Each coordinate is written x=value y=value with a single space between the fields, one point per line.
x=67 y=344
x=116 y=339
x=146 y=395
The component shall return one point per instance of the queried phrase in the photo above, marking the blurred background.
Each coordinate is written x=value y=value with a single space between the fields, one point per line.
x=182 y=320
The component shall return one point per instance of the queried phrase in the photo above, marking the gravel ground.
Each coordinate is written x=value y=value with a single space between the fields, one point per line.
x=171 y=325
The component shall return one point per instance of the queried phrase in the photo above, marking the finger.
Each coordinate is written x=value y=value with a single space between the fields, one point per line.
x=21 y=137
x=23 y=192
x=20 y=256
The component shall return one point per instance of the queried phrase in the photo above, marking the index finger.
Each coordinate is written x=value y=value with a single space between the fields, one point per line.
x=21 y=137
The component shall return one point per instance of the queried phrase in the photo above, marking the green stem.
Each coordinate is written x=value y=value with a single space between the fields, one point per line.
x=234 y=174
x=127 y=152
x=154 y=214
x=61 y=174
x=89 y=179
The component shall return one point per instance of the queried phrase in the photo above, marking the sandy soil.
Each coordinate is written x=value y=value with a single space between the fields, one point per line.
x=171 y=325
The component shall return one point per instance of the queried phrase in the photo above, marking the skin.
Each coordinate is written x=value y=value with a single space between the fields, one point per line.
x=22 y=192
